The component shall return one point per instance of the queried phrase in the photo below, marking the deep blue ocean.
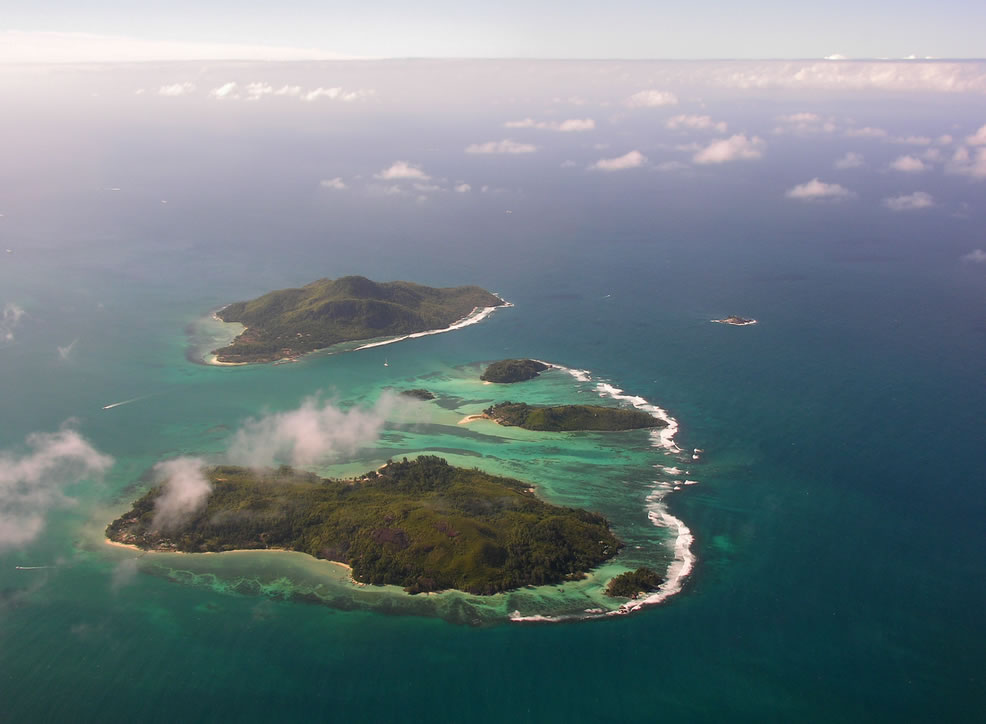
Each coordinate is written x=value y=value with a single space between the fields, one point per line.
x=838 y=518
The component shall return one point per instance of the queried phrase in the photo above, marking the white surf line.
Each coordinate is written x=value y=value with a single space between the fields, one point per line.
x=683 y=561
x=30 y=568
x=126 y=402
x=477 y=315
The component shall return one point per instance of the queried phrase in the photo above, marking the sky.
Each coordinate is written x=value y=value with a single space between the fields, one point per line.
x=102 y=30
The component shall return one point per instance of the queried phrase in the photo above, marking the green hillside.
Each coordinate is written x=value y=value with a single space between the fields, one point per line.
x=290 y=322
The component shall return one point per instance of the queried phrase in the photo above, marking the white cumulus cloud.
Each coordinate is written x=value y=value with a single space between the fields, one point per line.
x=976 y=256
x=336 y=183
x=402 y=170
x=9 y=320
x=908 y=164
x=968 y=163
x=633 y=159
x=909 y=202
x=850 y=160
x=314 y=433
x=572 y=125
x=226 y=90
x=176 y=89
x=505 y=146
x=698 y=123
x=184 y=491
x=978 y=138
x=462 y=188
x=32 y=482
x=651 y=99
x=818 y=190
x=735 y=148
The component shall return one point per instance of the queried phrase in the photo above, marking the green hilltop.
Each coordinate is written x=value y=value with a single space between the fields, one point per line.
x=290 y=322
x=570 y=418
x=424 y=525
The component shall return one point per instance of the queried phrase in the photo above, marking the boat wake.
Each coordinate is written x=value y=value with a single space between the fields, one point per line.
x=683 y=559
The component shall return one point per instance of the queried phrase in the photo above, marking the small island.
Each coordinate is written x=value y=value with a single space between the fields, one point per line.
x=422 y=524
x=418 y=394
x=570 y=418
x=513 y=370
x=736 y=321
x=284 y=324
x=633 y=583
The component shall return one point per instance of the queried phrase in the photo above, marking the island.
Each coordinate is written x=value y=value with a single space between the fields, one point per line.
x=421 y=524
x=736 y=321
x=418 y=394
x=633 y=583
x=570 y=418
x=513 y=370
x=289 y=322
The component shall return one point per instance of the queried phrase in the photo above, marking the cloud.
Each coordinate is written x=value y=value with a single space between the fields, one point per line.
x=966 y=163
x=9 y=321
x=402 y=170
x=338 y=94
x=912 y=140
x=33 y=482
x=336 y=184
x=633 y=159
x=463 y=188
x=802 y=117
x=314 y=433
x=734 y=148
x=836 y=56
x=568 y=164
x=945 y=77
x=651 y=99
x=698 y=123
x=976 y=256
x=504 y=146
x=978 y=138
x=850 y=160
x=908 y=164
x=671 y=166
x=66 y=351
x=124 y=574
x=226 y=90
x=573 y=125
x=176 y=89
x=909 y=202
x=818 y=190
x=866 y=132
x=184 y=491
x=804 y=123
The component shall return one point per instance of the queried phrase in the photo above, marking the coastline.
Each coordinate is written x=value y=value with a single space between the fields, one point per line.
x=683 y=559
x=477 y=315
x=130 y=546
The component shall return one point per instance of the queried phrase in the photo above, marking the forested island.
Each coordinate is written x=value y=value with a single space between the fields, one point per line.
x=418 y=394
x=570 y=418
x=286 y=323
x=422 y=524
x=632 y=583
x=513 y=370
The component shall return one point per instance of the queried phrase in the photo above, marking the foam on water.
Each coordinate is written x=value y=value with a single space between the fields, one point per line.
x=475 y=317
x=683 y=559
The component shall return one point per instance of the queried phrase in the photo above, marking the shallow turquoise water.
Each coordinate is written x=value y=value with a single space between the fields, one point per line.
x=837 y=516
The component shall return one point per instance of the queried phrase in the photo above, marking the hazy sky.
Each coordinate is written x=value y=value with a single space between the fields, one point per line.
x=158 y=29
